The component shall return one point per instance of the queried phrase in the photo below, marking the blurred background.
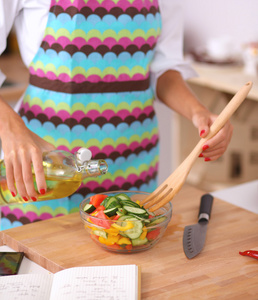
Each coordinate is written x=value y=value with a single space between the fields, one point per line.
x=221 y=42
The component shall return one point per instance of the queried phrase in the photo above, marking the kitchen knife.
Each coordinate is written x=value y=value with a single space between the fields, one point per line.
x=194 y=235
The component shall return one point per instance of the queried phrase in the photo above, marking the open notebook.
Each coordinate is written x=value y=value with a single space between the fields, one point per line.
x=87 y=283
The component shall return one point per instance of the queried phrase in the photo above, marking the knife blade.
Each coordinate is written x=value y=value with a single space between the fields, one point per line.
x=194 y=235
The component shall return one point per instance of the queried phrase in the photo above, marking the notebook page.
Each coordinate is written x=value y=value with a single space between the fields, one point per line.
x=96 y=283
x=26 y=287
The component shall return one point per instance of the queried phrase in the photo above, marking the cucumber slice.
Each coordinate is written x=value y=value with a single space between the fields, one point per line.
x=124 y=218
x=104 y=202
x=139 y=217
x=89 y=208
x=135 y=210
x=110 y=212
x=136 y=231
x=130 y=203
x=157 y=221
x=122 y=211
x=112 y=202
x=151 y=213
x=139 y=242
x=100 y=233
x=122 y=197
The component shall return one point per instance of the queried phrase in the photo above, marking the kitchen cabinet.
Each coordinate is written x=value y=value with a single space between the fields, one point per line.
x=215 y=86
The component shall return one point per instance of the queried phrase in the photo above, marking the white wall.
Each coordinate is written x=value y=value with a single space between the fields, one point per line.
x=206 y=19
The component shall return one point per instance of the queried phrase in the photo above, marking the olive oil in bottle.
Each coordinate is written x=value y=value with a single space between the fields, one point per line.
x=64 y=173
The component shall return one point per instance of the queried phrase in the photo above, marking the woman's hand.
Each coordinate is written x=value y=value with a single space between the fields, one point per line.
x=173 y=91
x=22 y=148
x=217 y=145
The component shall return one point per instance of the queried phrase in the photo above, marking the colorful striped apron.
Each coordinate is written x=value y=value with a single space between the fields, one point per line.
x=90 y=87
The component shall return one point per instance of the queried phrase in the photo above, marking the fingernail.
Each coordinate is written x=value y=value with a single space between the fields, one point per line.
x=205 y=147
x=202 y=132
x=25 y=198
x=13 y=194
x=42 y=191
x=33 y=198
x=207 y=159
x=201 y=155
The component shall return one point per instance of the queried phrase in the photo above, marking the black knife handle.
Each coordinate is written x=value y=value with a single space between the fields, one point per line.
x=205 y=207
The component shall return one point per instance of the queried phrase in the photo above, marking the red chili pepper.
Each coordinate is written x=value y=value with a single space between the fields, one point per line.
x=251 y=253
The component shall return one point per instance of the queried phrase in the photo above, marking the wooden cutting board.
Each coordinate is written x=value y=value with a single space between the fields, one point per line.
x=218 y=272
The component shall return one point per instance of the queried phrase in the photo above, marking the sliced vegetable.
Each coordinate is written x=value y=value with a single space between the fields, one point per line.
x=102 y=220
x=152 y=235
x=129 y=203
x=101 y=207
x=125 y=227
x=136 y=230
x=89 y=208
x=121 y=223
x=135 y=210
x=123 y=197
x=97 y=199
x=139 y=242
x=110 y=212
x=157 y=221
x=112 y=202
x=124 y=241
x=100 y=233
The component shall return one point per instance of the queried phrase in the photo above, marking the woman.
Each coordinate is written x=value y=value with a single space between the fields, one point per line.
x=95 y=67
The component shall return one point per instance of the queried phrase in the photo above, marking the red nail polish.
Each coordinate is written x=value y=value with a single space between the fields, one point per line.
x=202 y=132
x=25 y=198
x=33 y=198
x=201 y=155
x=207 y=159
x=42 y=191
x=13 y=194
x=205 y=147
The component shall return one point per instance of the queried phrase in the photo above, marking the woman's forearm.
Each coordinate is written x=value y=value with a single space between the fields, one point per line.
x=9 y=119
x=174 y=92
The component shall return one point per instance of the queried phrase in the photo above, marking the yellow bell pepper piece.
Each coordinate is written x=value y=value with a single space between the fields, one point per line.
x=129 y=225
x=139 y=203
x=144 y=233
x=111 y=240
x=124 y=240
x=103 y=240
x=112 y=231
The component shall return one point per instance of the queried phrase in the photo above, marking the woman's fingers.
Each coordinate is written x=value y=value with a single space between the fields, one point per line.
x=28 y=178
x=217 y=145
x=39 y=172
x=25 y=173
x=18 y=178
x=10 y=178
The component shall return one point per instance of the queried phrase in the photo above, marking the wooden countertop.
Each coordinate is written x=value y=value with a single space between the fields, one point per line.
x=224 y=78
x=218 y=272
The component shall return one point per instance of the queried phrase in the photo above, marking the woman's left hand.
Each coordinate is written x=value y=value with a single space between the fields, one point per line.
x=217 y=145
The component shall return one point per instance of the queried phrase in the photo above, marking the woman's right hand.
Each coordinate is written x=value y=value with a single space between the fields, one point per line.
x=22 y=148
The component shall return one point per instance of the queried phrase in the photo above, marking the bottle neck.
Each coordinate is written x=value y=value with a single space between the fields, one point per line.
x=92 y=168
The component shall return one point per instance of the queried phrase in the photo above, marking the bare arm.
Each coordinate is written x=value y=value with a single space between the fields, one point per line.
x=174 y=92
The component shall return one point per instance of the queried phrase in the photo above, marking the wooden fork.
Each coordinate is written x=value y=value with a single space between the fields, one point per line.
x=171 y=186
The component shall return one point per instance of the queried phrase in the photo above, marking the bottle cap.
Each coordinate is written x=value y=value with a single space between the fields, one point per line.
x=84 y=154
